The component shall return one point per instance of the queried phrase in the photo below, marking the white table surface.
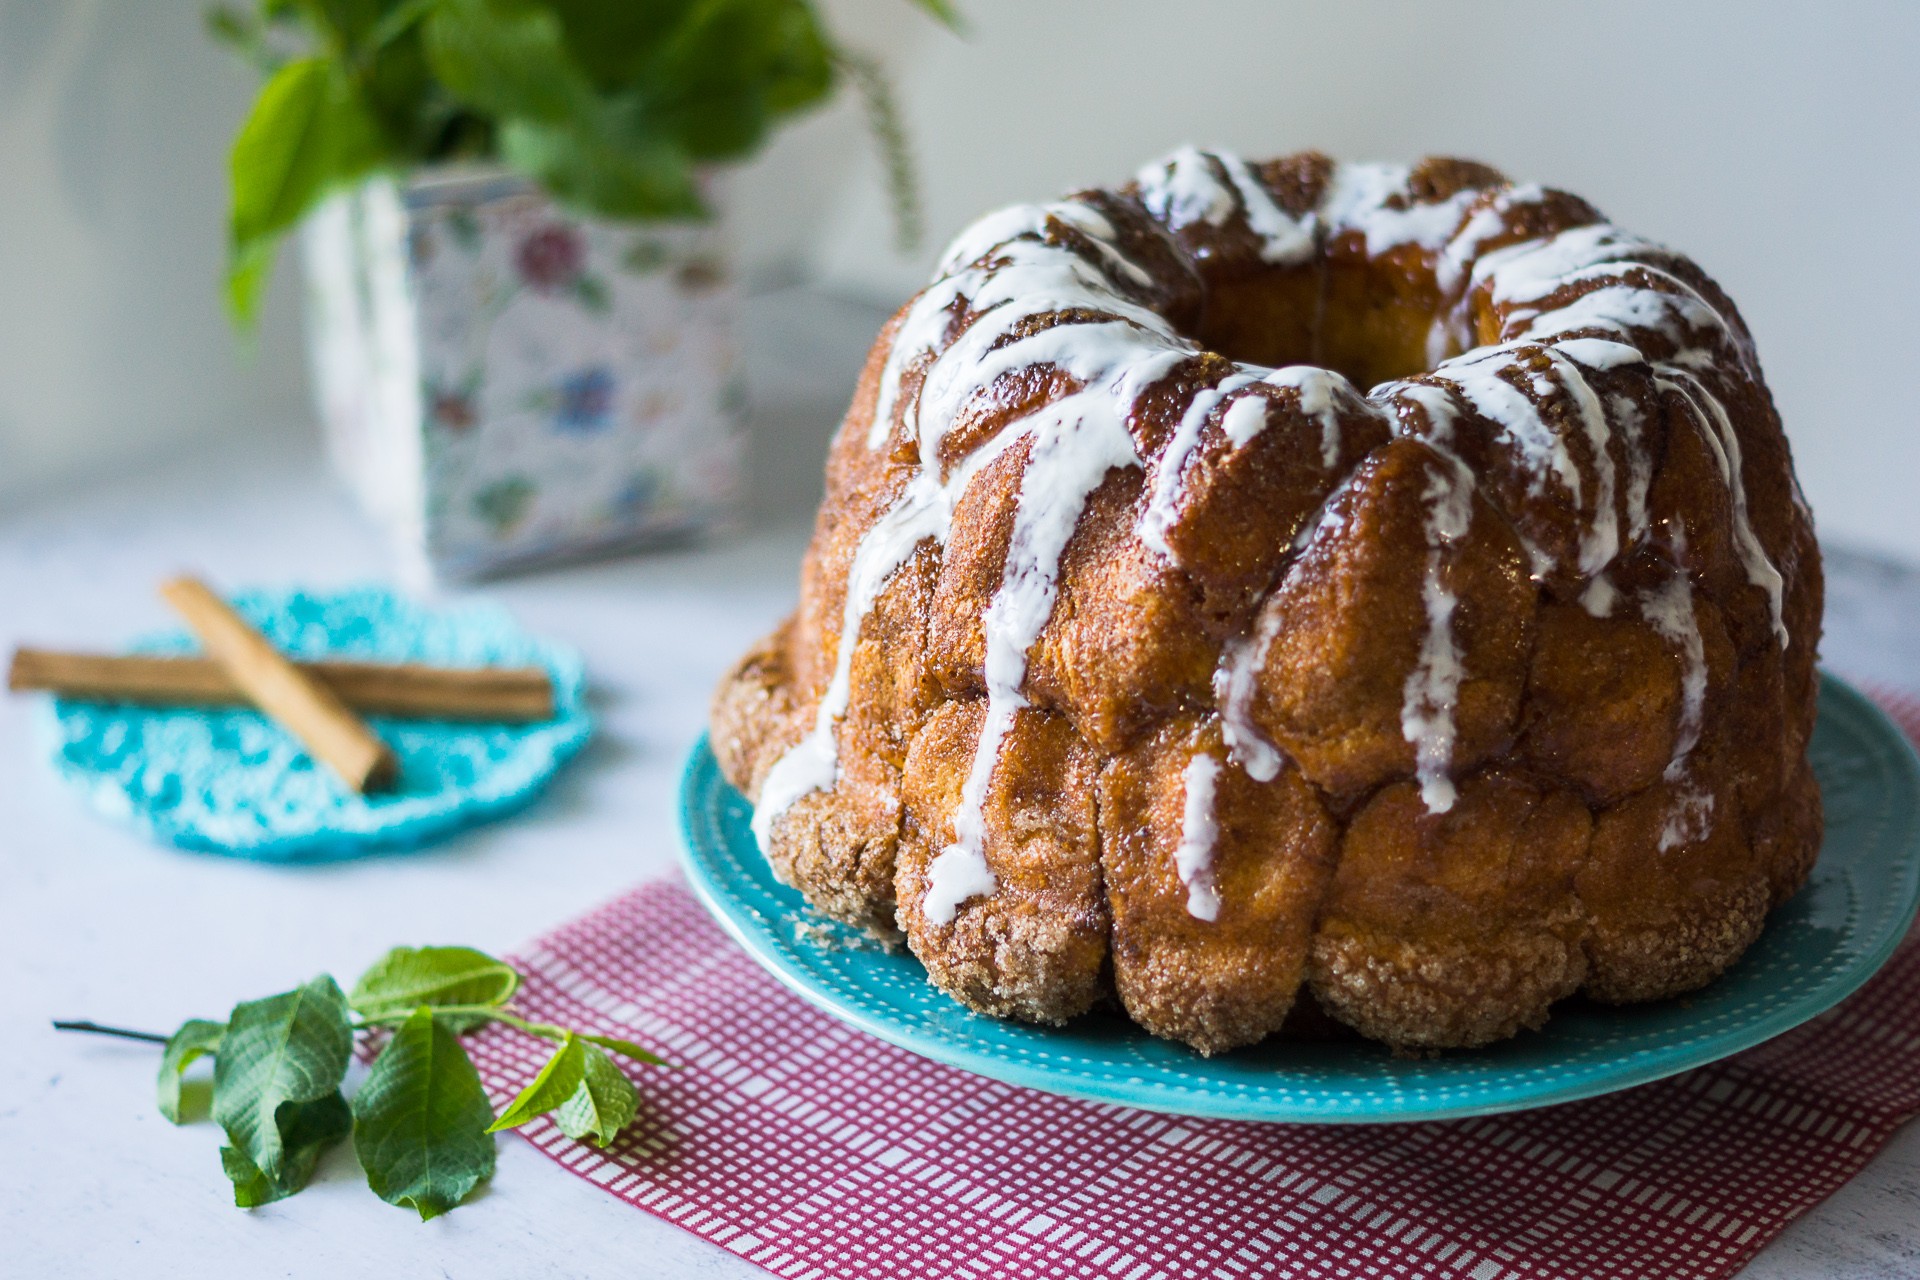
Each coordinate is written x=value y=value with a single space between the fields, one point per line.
x=97 y=923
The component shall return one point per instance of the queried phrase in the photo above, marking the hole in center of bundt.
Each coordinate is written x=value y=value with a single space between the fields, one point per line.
x=1369 y=321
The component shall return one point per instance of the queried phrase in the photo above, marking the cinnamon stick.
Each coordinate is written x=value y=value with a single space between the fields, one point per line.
x=509 y=695
x=303 y=706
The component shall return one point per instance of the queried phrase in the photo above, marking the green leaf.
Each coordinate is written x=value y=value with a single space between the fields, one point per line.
x=249 y=267
x=610 y=40
x=591 y=1098
x=944 y=12
x=398 y=21
x=602 y=1105
x=421 y=122
x=195 y=1038
x=729 y=68
x=344 y=23
x=508 y=58
x=627 y=1048
x=308 y=134
x=306 y=1130
x=231 y=27
x=246 y=35
x=421 y=1119
x=551 y=1088
x=609 y=104
x=278 y=1056
x=594 y=171
x=408 y=977
x=251 y=1188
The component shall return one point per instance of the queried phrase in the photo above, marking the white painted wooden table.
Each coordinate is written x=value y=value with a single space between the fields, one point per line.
x=96 y=923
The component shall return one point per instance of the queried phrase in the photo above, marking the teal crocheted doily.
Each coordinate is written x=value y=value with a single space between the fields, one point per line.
x=231 y=781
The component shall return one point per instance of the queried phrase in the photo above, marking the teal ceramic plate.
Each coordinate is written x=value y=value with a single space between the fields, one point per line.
x=1816 y=950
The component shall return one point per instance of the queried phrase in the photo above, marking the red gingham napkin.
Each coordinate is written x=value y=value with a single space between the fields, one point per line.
x=818 y=1151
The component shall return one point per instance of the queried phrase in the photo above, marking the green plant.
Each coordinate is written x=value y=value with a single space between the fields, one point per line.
x=421 y=1123
x=611 y=105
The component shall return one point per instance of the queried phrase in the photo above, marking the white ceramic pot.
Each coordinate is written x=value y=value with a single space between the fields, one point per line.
x=504 y=383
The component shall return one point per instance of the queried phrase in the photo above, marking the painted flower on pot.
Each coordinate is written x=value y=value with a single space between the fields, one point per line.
x=552 y=260
x=645 y=489
x=420 y=245
x=584 y=401
x=505 y=503
x=452 y=408
x=551 y=257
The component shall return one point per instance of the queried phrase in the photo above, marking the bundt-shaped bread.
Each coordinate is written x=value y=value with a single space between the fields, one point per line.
x=1142 y=654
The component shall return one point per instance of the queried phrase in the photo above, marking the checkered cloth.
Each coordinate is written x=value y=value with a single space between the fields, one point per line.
x=816 y=1150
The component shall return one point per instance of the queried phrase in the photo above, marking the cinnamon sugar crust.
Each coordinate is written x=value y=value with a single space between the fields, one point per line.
x=1288 y=590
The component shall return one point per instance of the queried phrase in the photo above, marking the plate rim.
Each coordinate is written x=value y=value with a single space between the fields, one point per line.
x=1658 y=1063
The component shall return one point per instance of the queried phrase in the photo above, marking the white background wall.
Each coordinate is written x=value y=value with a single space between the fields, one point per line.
x=113 y=347
x=1777 y=143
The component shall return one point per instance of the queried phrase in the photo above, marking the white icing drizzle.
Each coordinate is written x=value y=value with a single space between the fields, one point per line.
x=1234 y=682
x=981 y=355
x=1440 y=336
x=1489 y=220
x=1600 y=596
x=1537 y=268
x=1621 y=308
x=1533 y=269
x=1477 y=377
x=1321 y=391
x=1284 y=239
x=813 y=763
x=1076 y=441
x=1028 y=277
x=1169 y=488
x=1357 y=199
x=1327 y=521
x=1689 y=821
x=1236 y=678
x=1432 y=691
x=1600 y=353
x=1725 y=443
x=1520 y=276
x=1627 y=422
x=997 y=229
x=1639 y=464
x=1456 y=258
x=1013 y=266
x=1669 y=609
x=1437 y=404
x=1244 y=419
x=1115 y=360
x=923 y=511
x=1181 y=190
x=1199 y=832
x=1682 y=299
x=1600 y=540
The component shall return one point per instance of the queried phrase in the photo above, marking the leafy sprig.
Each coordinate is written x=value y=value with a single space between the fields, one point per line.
x=612 y=105
x=421 y=1123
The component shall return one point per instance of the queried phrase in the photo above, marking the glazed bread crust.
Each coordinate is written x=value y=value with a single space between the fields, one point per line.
x=1384 y=584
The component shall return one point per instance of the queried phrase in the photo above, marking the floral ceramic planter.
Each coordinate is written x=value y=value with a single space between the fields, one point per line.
x=504 y=383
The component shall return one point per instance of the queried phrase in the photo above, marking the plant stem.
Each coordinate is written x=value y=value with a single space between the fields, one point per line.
x=890 y=136
x=95 y=1028
x=545 y=1030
